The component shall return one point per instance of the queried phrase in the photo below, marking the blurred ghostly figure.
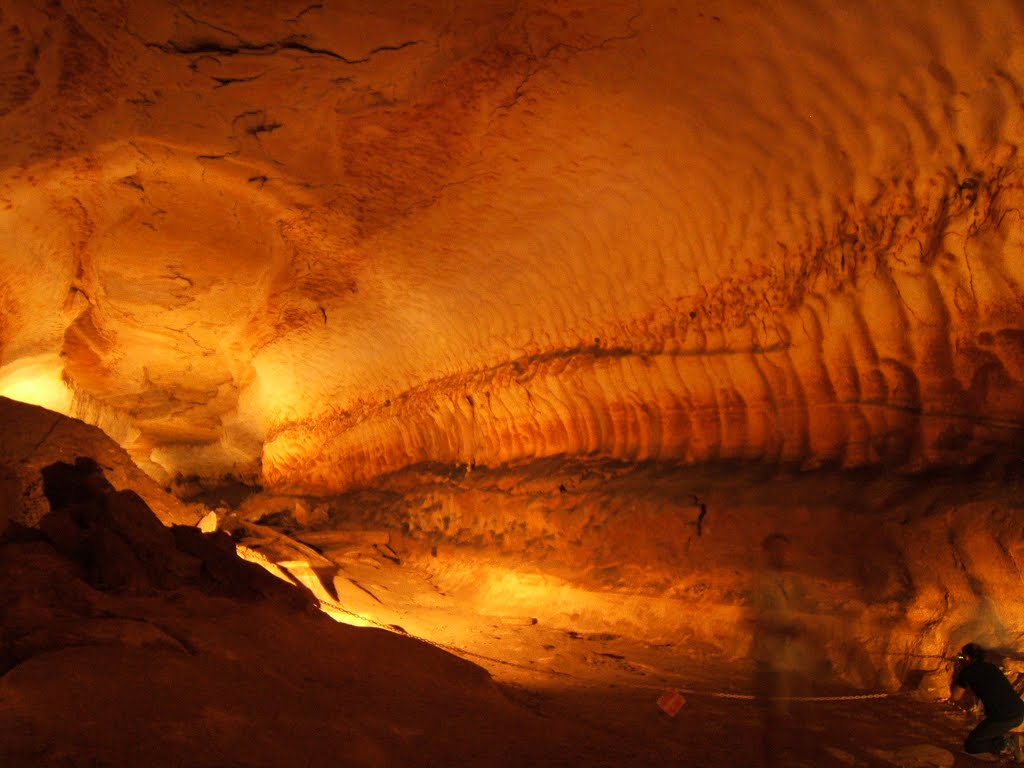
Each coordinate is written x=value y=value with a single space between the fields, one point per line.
x=775 y=600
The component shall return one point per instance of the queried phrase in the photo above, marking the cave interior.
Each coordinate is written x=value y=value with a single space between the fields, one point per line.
x=619 y=382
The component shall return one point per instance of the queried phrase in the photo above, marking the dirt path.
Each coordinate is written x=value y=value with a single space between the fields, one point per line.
x=609 y=683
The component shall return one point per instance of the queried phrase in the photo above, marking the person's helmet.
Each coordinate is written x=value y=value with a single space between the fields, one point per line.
x=973 y=652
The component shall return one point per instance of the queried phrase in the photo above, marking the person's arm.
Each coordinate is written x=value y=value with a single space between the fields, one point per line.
x=961 y=689
x=958 y=687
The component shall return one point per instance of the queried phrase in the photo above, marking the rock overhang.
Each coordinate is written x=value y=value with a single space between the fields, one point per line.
x=314 y=245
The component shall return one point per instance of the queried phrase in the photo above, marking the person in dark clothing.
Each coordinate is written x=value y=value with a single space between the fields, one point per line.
x=1004 y=708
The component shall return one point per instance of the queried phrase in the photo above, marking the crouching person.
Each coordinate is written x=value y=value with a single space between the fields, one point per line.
x=1004 y=709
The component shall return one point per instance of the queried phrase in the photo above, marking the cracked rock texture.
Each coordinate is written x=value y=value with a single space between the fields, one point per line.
x=311 y=244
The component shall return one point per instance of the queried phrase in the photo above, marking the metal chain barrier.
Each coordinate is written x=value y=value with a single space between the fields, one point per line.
x=752 y=697
x=691 y=691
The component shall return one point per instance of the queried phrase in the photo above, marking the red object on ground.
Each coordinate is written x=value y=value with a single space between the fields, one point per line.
x=671 y=702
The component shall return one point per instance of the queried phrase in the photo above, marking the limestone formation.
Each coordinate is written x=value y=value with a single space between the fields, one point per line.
x=312 y=244
x=562 y=307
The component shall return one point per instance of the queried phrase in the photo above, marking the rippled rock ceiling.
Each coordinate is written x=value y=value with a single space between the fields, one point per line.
x=311 y=244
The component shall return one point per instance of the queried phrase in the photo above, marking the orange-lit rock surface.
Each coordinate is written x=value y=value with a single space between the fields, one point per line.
x=123 y=642
x=32 y=438
x=318 y=242
x=128 y=643
x=891 y=575
x=560 y=309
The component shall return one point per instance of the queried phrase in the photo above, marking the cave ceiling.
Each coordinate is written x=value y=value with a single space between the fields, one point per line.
x=311 y=244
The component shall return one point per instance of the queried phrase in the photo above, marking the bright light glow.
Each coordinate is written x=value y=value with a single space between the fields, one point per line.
x=342 y=616
x=291 y=570
x=37 y=380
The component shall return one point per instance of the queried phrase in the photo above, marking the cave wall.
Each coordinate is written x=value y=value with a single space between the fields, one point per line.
x=495 y=247
x=889 y=573
x=312 y=244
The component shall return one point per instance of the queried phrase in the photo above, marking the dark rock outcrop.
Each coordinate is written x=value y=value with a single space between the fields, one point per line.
x=125 y=643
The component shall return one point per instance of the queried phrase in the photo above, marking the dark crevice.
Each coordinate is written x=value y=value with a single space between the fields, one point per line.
x=243 y=48
x=304 y=11
x=256 y=130
x=202 y=22
x=247 y=113
x=223 y=81
x=364 y=589
x=394 y=558
x=44 y=438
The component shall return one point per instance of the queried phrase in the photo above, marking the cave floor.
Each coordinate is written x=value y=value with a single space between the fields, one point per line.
x=609 y=683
